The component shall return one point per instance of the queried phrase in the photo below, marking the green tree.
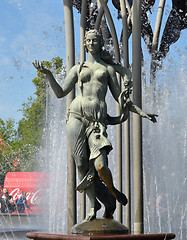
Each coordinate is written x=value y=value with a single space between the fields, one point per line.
x=31 y=126
x=9 y=145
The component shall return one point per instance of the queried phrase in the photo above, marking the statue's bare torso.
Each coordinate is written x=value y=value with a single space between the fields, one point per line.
x=91 y=92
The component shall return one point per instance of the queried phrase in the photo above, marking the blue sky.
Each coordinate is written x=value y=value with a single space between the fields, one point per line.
x=29 y=30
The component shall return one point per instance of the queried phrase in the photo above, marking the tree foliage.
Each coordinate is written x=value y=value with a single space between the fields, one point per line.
x=19 y=147
x=9 y=146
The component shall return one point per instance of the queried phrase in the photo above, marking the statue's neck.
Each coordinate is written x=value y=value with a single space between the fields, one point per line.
x=96 y=57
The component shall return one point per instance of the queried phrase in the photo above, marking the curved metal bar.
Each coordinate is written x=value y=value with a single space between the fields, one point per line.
x=128 y=8
x=101 y=23
x=155 y=46
x=158 y=24
x=113 y=31
x=99 y=16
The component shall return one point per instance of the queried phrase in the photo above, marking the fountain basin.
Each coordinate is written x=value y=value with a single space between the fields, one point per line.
x=44 y=235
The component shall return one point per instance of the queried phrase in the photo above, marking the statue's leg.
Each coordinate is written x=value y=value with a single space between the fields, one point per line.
x=105 y=196
x=80 y=152
x=105 y=175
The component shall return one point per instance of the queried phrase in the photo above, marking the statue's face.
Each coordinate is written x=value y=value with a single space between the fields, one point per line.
x=92 y=43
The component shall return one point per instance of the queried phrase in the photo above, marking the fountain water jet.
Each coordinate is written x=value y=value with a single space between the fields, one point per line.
x=165 y=153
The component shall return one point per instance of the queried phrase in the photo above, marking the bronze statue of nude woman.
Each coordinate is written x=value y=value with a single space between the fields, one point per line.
x=87 y=121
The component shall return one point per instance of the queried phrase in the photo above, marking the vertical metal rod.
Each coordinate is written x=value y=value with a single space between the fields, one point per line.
x=82 y=29
x=127 y=122
x=82 y=59
x=119 y=127
x=137 y=124
x=119 y=166
x=70 y=61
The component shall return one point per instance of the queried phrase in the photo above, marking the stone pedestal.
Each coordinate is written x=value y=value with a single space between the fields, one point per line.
x=99 y=226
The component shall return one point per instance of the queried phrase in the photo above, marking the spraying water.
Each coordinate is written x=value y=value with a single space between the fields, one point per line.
x=165 y=155
x=56 y=156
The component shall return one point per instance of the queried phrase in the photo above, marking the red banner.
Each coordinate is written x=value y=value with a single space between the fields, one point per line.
x=34 y=183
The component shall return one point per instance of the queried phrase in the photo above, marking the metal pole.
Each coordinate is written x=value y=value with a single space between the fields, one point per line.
x=127 y=122
x=82 y=59
x=82 y=29
x=119 y=127
x=137 y=124
x=70 y=61
x=119 y=166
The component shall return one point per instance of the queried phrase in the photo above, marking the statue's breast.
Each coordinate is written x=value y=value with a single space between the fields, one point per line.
x=100 y=74
x=94 y=72
x=85 y=74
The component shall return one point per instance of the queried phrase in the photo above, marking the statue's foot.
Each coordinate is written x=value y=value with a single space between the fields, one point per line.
x=109 y=212
x=121 y=198
x=92 y=213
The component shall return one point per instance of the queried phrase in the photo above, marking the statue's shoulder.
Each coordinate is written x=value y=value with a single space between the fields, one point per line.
x=110 y=68
x=74 y=69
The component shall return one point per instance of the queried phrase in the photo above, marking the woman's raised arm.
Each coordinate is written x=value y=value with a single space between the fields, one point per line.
x=68 y=83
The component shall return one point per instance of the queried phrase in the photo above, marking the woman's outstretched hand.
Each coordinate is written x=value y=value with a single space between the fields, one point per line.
x=40 y=67
x=152 y=117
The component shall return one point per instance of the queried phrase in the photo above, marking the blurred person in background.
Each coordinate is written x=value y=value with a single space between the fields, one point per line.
x=22 y=203
x=6 y=202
